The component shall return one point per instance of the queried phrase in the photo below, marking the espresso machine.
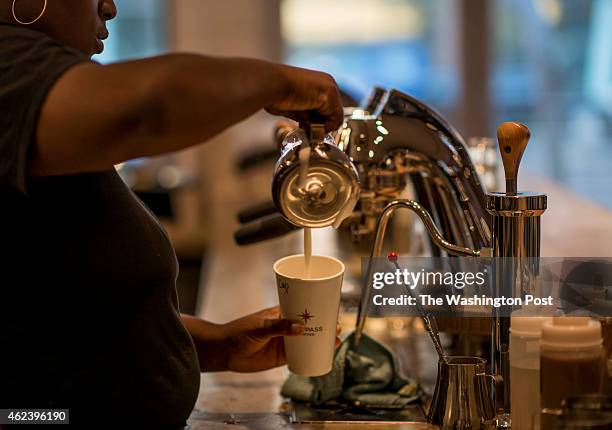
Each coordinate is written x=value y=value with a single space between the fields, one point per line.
x=393 y=142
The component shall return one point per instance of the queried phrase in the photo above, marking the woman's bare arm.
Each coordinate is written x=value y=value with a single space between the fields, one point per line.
x=97 y=116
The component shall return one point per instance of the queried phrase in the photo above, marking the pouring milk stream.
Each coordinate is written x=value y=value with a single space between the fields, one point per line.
x=303 y=181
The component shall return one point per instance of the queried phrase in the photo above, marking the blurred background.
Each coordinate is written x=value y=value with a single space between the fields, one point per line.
x=547 y=63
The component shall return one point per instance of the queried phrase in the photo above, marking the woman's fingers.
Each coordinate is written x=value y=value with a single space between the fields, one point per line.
x=310 y=91
x=278 y=327
x=271 y=325
x=270 y=313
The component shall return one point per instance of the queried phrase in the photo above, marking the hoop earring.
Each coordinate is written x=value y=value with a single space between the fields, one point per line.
x=31 y=22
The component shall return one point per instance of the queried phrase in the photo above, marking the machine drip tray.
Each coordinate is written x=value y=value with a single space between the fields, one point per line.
x=335 y=412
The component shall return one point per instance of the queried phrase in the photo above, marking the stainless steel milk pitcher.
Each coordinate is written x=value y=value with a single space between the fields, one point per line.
x=462 y=398
x=330 y=188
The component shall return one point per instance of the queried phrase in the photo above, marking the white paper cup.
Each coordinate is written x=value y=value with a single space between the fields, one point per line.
x=315 y=302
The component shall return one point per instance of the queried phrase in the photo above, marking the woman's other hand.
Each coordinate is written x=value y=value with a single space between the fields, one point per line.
x=255 y=342
x=248 y=344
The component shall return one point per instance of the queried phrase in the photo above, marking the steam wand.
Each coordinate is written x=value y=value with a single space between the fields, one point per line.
x=431 y=326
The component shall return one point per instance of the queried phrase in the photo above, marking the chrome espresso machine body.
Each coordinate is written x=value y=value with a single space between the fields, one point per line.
x=395 y=141
x=404 y=142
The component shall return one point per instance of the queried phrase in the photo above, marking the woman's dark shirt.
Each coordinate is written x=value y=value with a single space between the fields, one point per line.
x=89 y=319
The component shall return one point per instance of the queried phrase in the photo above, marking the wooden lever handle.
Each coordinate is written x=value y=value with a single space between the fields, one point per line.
x=513 y=139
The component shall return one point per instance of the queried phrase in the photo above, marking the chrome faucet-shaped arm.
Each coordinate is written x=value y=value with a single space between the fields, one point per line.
x=376 y=251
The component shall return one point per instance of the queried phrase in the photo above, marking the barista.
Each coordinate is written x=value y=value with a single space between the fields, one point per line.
x=88 y=310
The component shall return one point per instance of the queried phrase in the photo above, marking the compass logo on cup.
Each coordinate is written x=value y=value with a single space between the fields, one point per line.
x=306 y=316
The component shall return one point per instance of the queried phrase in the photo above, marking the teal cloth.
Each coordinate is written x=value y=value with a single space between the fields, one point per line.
x=366 y=375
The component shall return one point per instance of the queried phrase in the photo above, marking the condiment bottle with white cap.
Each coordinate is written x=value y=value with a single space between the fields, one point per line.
x=571 y=362
x=525 y=333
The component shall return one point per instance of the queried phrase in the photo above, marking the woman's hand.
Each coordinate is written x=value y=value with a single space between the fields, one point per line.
x=255 y=342
x=248 y=344
x=309 y=92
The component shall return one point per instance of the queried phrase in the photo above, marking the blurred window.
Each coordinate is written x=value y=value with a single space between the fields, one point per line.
x=140 y=30
x=401 y=44
x=552 y=69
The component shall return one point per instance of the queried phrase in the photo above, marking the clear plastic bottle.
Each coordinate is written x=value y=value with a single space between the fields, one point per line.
x=525 y=333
